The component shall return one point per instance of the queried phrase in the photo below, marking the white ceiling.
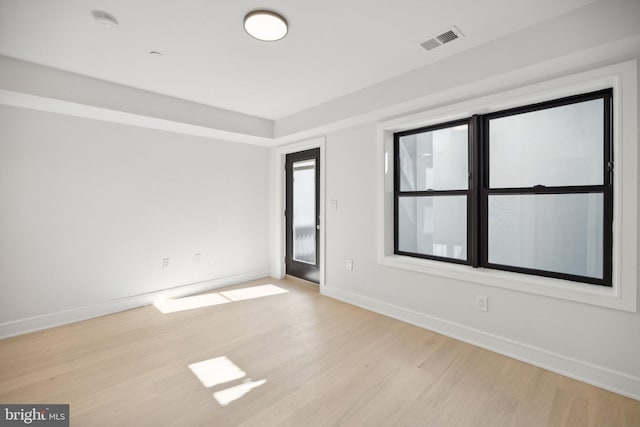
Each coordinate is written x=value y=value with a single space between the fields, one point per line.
x=334 y=47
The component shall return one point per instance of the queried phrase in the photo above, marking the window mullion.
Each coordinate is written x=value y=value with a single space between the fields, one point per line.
x=570 y=189
x=430 y=193
x=474 y=216
x=482 y=136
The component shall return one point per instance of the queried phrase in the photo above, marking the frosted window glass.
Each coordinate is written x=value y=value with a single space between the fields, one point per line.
x=304 y=211
x=561 y=233
x=559 y=146
x=436 y=160
x=433 y=226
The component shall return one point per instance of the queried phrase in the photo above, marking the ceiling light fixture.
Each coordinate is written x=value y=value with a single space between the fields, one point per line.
x=106 y=20
x=265 y=25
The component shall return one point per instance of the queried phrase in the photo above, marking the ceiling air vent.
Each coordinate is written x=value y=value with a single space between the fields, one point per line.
x=440 y=39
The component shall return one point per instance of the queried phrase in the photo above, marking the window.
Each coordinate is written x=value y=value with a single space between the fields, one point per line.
x=529 y=190
x=433 y=192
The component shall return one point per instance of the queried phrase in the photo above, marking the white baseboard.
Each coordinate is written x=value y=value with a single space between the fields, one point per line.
x=599 y=376
x=36 y=323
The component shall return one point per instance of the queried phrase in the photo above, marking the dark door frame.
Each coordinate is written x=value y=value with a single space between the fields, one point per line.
x=293 y=267
x=280 y=225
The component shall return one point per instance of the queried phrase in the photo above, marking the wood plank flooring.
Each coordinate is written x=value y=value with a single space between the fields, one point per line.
x=293 y=358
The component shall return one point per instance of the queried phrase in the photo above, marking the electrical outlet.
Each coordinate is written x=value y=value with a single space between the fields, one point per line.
x=348 y=264
x=196 y=258
x=165 y=262
x=482 y=303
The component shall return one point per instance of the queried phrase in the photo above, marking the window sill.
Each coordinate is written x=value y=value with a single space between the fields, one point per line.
x=557 y=288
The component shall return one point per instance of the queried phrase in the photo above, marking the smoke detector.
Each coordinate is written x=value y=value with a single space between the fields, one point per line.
x=106 y=20
x=442 y=38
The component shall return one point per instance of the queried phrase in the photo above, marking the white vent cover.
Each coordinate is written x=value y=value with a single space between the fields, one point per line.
x=442 y=38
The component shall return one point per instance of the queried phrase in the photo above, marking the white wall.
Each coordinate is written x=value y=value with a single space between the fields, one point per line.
x=90 y=208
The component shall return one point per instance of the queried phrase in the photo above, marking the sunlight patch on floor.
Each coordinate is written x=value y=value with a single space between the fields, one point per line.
x=228 y=395
x=216 y=298
x=216 y=371
x=242 y=294
x=189 y=303
x=221 y=370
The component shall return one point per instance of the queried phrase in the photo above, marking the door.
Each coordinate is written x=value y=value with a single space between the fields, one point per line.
x=302 y=214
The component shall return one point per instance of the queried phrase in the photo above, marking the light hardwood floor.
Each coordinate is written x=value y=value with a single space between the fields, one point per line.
x=293 y=359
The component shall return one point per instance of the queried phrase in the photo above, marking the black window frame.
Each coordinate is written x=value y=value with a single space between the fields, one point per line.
x=479 y=190
x=398 y=193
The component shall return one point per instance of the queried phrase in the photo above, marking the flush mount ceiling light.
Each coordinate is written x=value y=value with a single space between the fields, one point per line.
x=265 y=25
x=106 y=20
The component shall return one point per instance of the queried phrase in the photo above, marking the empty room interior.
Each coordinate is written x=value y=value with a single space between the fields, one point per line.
x=287 y=213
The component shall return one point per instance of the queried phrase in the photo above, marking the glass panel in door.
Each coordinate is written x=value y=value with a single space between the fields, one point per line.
x=304 y=211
